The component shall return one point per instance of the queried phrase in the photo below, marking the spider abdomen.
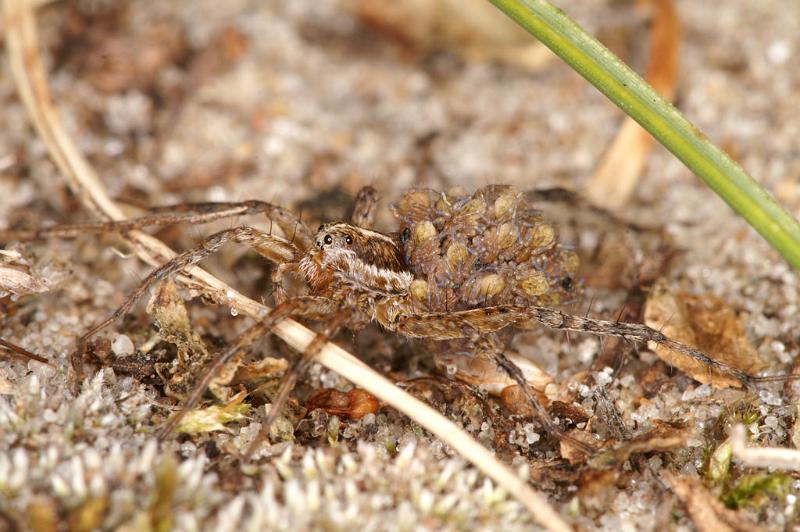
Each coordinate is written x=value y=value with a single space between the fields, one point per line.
x=488 y=248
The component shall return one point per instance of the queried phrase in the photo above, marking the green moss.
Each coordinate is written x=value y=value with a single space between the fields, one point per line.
x=755 y=490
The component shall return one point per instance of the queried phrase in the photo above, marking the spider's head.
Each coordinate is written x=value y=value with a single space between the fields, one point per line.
x=373 y=248
x=336 y=236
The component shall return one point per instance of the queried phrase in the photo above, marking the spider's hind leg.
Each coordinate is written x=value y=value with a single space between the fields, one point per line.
x=489 y=346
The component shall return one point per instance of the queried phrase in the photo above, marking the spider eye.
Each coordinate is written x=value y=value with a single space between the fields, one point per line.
x=348 y=239
x=320 y=227
x=405 y=235
x=566 y=283
x=328 y=239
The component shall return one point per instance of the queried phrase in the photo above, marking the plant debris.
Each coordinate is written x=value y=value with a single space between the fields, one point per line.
x=214 y=418
x=354 y=404
x=705 y=322
x=707 y=513
x=16 y=277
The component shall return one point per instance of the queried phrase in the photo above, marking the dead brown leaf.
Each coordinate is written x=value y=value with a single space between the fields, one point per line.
x=16 y=276
x=706 y=512
x=707 y=323
x=571 y=452
x=253 y=374
x=515 y=401
x=485 y=373
x=354 y=404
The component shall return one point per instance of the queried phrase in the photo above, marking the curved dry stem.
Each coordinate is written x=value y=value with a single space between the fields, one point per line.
x=31 y=81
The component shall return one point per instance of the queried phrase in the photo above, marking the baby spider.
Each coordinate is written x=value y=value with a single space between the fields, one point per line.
x=462 y=269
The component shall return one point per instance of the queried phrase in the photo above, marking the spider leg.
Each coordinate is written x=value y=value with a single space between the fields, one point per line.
x=272 y=247
x=331 y=328
x=305 y=306
x=488 y=345
x=446 y=326
x=292 y=226
x=20 y=352
x=365 y=206
x=194 y=213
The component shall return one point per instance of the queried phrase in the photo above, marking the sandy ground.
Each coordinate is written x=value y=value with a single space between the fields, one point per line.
x=300 y=104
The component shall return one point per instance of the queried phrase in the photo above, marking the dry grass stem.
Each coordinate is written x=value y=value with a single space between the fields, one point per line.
x=772 y=457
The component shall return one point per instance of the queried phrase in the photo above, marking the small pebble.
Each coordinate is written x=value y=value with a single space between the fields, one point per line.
x=122 y=346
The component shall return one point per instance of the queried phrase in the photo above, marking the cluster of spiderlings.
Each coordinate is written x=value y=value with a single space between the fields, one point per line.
x=490 y=248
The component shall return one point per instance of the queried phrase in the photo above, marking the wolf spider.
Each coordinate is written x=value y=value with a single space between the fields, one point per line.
x=449 y=275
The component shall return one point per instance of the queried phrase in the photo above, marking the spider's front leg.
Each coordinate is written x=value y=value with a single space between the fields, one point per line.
x=271 y=247
x=304 y=306
x=193 y=213
x=366 y=204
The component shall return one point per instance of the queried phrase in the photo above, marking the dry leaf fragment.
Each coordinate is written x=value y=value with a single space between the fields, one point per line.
x=663 y=437
x=7 y=387
x=254 y=374
x=485 y=373
x=706 y=512
x=571 y=452
x=354 y=404
x=515 y=401
x=214 y=417
x=16 y=276
x=707 y=323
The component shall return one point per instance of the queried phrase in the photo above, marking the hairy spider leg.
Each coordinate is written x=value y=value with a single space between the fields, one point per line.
x=488 y=345
x=271 y=247
x=332 y=326
x=303 y=306
x=195 y=213
x=20 y=352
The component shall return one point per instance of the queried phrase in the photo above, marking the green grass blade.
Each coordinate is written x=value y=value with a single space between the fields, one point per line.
x=641 y=102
